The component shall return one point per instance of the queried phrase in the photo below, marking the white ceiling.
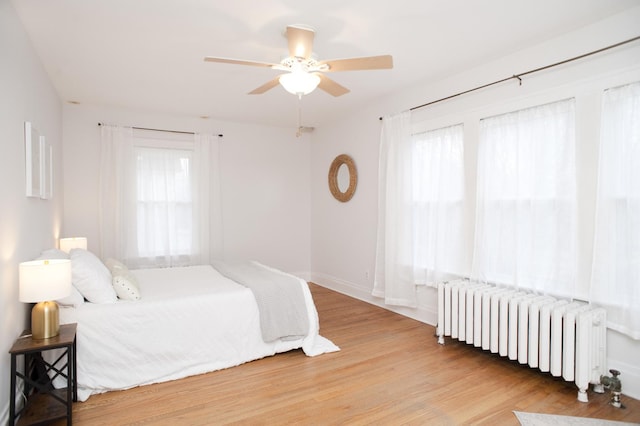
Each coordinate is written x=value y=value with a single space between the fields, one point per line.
x=148 y=54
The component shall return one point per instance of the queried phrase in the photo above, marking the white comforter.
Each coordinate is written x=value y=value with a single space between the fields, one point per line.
x=189 y=321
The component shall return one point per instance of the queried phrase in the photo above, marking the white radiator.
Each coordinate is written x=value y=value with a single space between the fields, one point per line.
x=564 y=338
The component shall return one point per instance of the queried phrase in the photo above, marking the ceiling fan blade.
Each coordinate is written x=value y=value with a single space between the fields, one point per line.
x=300 y=41
x=330 y=86
x=267 y=86
x=355 y=64
x=239 y=62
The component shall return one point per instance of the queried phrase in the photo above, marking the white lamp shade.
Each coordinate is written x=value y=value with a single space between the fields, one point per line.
x=44 y=280
x=299 y=82
x=66 y=244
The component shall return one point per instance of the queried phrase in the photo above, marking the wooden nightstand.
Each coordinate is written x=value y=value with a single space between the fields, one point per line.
x=44 y=403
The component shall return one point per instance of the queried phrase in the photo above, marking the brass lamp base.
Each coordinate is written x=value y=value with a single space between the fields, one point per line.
x=45 y=320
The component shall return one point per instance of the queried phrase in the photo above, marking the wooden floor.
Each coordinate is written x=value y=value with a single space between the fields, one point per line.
x=390 y=371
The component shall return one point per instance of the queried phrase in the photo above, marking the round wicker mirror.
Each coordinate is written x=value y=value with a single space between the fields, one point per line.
x=335 y=185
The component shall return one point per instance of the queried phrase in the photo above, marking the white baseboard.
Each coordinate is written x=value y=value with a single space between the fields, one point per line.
x=421 y=313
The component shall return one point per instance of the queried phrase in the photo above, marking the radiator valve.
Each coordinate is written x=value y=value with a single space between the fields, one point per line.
x=614 y=384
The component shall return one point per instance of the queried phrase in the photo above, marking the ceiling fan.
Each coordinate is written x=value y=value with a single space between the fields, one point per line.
x=303 y=72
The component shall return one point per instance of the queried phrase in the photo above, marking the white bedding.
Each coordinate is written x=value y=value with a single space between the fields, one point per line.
x=190 y=320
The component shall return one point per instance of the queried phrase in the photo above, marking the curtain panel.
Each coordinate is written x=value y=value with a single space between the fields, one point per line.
x=525 y=231
x=615 y=278
x=393 y=279
x=115 y=201
x=421 y=233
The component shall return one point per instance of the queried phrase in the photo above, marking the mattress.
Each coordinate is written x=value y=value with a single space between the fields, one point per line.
x=190 y=320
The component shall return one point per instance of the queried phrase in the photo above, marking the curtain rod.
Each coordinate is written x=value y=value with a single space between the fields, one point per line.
x=167 y=131
x=517 y=76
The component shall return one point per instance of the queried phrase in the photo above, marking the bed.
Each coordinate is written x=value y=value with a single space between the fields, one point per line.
x=187 y=321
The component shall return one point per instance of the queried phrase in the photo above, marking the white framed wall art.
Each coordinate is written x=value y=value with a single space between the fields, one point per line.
x=38 y=163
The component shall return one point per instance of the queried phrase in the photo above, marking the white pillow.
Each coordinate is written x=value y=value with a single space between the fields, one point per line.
x=91 y=277
x=74 y=299
x=126 y=285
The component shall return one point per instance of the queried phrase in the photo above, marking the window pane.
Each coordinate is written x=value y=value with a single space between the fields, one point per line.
x=164 y=202
x=438 y=204
x=525 y=216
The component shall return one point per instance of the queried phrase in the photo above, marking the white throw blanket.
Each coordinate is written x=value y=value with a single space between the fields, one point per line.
x=283 y=314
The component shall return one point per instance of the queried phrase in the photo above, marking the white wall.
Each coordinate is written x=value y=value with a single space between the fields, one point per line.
x=264 y=173
x=343 y=236
x=27 y=225
x=268 y=211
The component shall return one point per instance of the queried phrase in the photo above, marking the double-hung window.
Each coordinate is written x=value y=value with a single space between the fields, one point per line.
x=525 y=232
x=438 y=204
x=164 y=202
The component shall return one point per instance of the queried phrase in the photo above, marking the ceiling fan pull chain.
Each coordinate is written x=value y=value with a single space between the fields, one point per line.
x=298 y=132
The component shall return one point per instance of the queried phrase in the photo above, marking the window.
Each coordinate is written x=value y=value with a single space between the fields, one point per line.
x=164 y=202
x=615 y=281
x=525 y=232
x=159 y=197
x=438 y=204
x=533 y=229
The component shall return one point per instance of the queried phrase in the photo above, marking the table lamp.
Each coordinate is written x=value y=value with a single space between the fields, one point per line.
x=42 y=281
x=66 y=244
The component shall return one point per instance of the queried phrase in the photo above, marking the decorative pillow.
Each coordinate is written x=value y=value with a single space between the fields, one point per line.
x=74 y=299
x=126 y=285
x=124 y=282
x=53 y=254
x=91 y=277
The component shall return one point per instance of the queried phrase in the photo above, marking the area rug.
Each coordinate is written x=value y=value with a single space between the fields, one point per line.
x=535 y=419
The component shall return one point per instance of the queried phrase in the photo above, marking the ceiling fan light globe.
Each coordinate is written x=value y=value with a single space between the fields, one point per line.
x=299 y=83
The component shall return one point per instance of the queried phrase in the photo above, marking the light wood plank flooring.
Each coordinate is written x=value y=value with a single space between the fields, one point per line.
x=390 y=371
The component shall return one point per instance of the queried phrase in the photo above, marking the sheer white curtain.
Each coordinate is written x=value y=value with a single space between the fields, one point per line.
x=421 y=209
x=156 y=198
x=615 y=281
x=208 y=147
x=393 y=278
x=525 y=232
x=440 y=247
x=116 y=200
